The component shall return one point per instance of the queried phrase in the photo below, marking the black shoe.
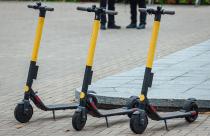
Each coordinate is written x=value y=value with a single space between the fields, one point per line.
x=113 y=26
x=141 y=26
x=131 y=25
x=103 y=27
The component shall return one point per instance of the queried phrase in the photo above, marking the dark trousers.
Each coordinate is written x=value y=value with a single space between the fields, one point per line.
x=111 y=6
x=133 y=6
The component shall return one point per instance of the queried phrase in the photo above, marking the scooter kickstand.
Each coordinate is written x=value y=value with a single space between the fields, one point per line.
x=166 y=125
x=53 y=111
x=107 y=124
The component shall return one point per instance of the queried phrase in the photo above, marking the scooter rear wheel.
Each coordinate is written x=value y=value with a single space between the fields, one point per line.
x=138 y=123
x=22 y=115
x=78 y=122
x=193 y=107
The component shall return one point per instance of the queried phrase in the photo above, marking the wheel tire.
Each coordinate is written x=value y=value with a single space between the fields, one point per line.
x=138 y=123
x=21 y=115
x=77 y=122
x=192 y=107
x=132 y=103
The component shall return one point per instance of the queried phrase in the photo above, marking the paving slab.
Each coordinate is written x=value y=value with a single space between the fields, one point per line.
x=62 y=58
x=181 y=75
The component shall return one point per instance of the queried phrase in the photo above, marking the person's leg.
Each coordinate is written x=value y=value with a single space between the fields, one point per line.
x=142 y=24
x=111 y=6
x=111 y=19
x=103 y=4
x=133 y=11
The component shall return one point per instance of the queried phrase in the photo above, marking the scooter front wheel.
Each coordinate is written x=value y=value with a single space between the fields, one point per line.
x=78 y=121
x=138 y=122
x=21 y=114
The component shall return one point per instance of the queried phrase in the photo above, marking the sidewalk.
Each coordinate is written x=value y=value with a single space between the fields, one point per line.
x=62 y=59
x=177 y=77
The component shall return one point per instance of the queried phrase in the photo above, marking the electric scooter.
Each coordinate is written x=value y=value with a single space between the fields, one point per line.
x=24 y=111
x=88 y=102
x=139 y=120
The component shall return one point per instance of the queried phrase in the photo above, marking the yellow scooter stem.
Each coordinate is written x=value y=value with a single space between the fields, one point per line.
x=37 y=40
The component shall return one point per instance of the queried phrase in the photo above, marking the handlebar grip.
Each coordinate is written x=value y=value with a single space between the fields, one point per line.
x=82 y=8
x=49 y=9
x=149 y=10
x=111 y=12
x=168 y=12
x=31 y=6
x=143 y=10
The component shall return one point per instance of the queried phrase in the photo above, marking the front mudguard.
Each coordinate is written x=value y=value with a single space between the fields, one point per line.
x=82 y=111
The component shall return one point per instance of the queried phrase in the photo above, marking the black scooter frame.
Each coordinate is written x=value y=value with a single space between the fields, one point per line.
x=24 y=111
x=139 y=121
x=88 y=102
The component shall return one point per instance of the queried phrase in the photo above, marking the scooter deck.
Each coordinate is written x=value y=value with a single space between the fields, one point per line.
x=115 y=112
x=62 y=106
x=177 y=114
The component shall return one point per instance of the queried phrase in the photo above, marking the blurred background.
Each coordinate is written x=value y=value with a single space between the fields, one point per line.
x=182 y=2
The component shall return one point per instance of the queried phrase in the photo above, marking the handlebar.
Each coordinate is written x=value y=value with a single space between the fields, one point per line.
x=82 y=8
x=39 y=6
x=168 y=12
x=149 y=11
x=158 y=10
x=97 y=10
x=110 y=12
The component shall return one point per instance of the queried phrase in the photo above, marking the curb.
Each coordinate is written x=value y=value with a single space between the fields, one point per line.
x=162 y=104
